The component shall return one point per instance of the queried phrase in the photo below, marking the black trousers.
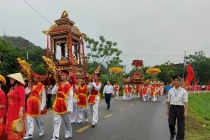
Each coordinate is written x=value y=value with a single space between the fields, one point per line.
x=108 y=99
x=177 y=113
x=49 y=100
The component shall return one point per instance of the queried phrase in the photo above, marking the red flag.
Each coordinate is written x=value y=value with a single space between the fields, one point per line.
x=190 y=74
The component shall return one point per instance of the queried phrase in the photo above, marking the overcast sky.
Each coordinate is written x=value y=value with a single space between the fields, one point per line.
x=155 y=31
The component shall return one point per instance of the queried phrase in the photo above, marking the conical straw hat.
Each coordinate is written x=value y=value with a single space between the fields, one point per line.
x=2 y=79
x=18 y=77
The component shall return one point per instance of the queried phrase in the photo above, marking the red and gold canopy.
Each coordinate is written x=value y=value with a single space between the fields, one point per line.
x=137 y=63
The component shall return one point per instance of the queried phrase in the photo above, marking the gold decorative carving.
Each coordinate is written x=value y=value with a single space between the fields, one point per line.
x=26 y=69
x=51 y=67
x=64 y=14
x=47 y=31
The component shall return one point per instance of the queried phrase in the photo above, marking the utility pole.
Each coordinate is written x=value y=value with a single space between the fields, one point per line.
x=27 y=55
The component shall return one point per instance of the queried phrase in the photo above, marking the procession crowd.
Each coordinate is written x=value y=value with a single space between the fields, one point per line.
x=197 y=87
x=71 y=102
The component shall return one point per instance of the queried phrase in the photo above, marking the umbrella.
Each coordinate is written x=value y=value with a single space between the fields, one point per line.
x=153 y=71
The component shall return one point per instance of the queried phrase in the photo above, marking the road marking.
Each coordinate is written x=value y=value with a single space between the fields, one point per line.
x=131 y=105
x=122 y=109
x=83 y=128
x=107 y=116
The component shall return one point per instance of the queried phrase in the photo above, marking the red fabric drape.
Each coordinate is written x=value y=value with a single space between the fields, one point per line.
x=70 y=52
x=190 y=74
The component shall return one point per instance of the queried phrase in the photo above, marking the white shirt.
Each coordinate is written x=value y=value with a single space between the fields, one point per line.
x=177 y=96
x=75 y=99
x=93 y=85
x=49 y=90
x=108 y=89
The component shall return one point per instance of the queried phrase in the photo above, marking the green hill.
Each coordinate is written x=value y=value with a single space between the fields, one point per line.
x=18 y=41
x=13 y=47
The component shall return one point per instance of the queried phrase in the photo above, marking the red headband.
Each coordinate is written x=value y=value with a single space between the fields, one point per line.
x=96 y=75
x=64 y=73
x=36 y=75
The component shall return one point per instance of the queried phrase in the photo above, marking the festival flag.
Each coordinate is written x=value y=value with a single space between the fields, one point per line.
x=190 y=74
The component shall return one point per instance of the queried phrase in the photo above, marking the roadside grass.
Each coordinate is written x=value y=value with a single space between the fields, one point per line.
x=198 y=119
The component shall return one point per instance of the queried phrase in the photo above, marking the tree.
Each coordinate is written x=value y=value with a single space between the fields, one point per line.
x=201 y=66
x=167 y=72
x=103 y=52
x=92 y=67
x=20 y=47
x=8 y=57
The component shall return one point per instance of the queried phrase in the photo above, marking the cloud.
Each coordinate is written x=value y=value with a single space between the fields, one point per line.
x=154 y=31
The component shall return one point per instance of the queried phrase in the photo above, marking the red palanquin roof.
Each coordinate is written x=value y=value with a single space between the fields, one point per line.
x=137 y=63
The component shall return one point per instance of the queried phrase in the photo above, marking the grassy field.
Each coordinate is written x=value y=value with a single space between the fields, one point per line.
x=198 y=119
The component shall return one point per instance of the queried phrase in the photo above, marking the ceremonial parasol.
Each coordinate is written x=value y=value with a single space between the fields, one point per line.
x=116 y=73
x=116 y=70
x=153 y=71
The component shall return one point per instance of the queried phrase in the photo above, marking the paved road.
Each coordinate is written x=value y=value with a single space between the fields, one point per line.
x=126 y=120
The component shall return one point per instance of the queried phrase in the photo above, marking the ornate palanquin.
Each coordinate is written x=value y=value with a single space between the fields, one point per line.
x=64 y=35
x=136 y=77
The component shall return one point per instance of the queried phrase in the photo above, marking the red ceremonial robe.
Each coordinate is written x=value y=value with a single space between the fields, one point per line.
x=60 y=106
x=34 y=101
x=82 y=95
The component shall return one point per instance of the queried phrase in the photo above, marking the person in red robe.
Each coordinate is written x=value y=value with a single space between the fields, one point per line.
x=82 y=103
x=73 y=83
x=125 y=91
x=94 y=98
x=62 y=106
x=16 y=105
x=138 y=91
x=154 y=91
x=130 y=91
x=116 y=90
x=3 y=100
x=161 y=86
x=3 y=106
x=35 y=105
x=144 y=91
